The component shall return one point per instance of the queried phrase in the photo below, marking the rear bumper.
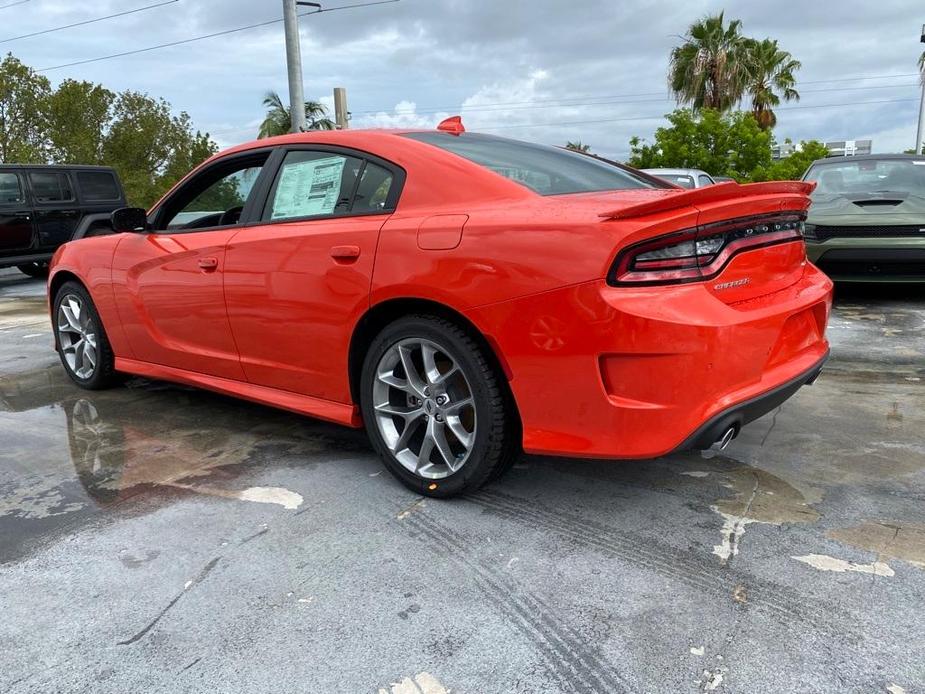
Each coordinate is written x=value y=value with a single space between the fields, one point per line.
x=870 y=259
x=601 y=371
x=750 y=410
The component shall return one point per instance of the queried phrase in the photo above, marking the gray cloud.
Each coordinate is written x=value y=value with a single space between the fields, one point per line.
x=523 y=69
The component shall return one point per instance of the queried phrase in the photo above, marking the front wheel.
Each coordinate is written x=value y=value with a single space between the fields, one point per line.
x=435 y=409
x=82 y=343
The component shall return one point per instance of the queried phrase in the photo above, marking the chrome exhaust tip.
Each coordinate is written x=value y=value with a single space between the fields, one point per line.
x=720 y=444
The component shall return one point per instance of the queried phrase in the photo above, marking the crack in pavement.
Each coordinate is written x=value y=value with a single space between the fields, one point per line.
x=200 y=577
x=773 y=424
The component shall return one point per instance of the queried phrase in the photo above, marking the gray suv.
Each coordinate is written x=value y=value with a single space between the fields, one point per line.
x=42 y=207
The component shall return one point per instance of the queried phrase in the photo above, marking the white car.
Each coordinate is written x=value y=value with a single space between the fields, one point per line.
x=686 y=178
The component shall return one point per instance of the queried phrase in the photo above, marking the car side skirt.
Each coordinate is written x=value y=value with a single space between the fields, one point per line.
x=337 y=412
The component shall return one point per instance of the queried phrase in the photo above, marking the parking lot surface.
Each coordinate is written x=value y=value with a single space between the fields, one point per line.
x=159 y=538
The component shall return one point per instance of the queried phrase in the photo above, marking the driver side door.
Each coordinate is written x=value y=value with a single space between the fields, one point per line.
x=168 y=282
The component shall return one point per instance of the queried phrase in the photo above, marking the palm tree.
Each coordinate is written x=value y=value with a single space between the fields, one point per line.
x=578 y=146
x=710 y=69
x=279 y=122
x=770 y=69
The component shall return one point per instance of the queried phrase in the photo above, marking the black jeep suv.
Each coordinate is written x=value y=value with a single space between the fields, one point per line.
x=42 y=207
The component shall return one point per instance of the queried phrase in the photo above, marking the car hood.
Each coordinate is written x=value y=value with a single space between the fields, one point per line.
x=882 y=207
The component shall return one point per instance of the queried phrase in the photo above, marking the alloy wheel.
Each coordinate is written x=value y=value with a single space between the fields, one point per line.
x=77 y=336
x=424 y=408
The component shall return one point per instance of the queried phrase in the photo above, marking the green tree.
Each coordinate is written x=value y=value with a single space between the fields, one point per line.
x=792 y=167
x=730 y=144
x=770 y=78
x=578 y=146
x=23 y=117
x=710 y=69
x=78 y=118
x=149 y=147
x=278 y=120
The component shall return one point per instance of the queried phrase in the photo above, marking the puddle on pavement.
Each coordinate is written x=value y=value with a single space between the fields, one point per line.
x=22 y=311
x=755 y=496
x=764 y=498
x=888 y=539
x=141 y=436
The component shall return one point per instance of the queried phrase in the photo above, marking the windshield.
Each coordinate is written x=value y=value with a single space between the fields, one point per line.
x=678 y=179
x=542 y=169
x=869 y=176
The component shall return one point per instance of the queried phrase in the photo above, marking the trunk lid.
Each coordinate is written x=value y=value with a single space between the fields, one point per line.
x=747 y=223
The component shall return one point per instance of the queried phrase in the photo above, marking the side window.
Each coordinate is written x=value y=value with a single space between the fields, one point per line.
x=313 y=184
x=704 y=181
x=214 y=198
x=97 y=186
x=51 y=186
x=373 y=192
x=10 y=189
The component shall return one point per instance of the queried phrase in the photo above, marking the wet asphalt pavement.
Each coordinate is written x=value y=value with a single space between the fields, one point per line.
x=161 y=539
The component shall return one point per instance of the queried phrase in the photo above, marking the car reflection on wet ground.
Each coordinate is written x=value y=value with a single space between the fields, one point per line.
x=154 y=537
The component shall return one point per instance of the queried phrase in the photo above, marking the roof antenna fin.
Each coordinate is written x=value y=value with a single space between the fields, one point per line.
x=453 y=125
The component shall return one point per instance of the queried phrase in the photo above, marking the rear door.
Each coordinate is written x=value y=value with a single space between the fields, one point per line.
x=57 y=212
x=16 y=230
x=297 y=281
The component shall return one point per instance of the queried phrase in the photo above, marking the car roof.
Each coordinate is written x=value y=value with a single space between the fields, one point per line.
x=430 y=161
x=868 y=157
x=57 y=167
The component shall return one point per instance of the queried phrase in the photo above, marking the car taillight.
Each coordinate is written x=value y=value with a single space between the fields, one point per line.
x=698 y=254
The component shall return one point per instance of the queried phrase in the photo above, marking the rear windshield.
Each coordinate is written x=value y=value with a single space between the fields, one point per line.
x=869 y=176
x=542 y=169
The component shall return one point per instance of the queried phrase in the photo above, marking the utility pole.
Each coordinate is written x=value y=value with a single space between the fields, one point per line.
x=294 y=63
x=920 y=134
x=341 y=114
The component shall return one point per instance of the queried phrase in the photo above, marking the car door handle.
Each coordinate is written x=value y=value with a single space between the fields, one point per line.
x=23 y=215
x=208 y=264
x=345 y=254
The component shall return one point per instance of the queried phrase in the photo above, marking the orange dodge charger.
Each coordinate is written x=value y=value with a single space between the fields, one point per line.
x=462 y=296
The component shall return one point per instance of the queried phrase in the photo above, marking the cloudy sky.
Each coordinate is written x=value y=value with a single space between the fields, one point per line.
x=544 y=70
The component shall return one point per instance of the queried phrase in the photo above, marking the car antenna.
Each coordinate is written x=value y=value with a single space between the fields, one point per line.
x=453 y=125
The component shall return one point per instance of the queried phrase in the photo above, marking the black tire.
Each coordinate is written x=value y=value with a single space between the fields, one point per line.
x=38 y=269
x=104 y=373
x=496 y=436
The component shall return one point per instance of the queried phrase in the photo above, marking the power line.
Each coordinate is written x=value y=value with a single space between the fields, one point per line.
x=623 y=119
x=603 y=100
x=13 y=4
x=870 y=77
x=212 y=35
x=88 y=21
x=642 y=118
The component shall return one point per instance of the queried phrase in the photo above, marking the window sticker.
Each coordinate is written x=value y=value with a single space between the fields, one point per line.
x=308 y=188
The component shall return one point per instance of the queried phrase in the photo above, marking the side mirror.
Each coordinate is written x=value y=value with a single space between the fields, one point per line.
x=127 y=219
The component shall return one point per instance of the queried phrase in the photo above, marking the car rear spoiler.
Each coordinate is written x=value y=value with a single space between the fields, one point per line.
x=710 y=194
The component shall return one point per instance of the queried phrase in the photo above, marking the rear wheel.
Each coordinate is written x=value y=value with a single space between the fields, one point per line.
x=435 y=409
x=38 y=269
x=82 y=343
